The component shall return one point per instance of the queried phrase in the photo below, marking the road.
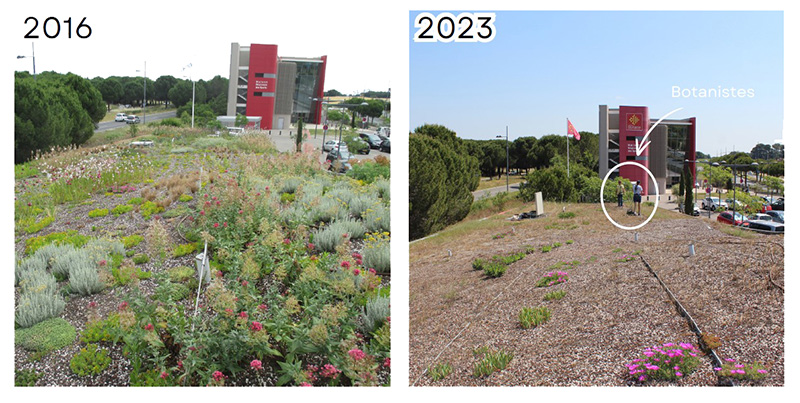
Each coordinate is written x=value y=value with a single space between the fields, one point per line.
x=103 y=126
x=285 y=142
x=495 y=190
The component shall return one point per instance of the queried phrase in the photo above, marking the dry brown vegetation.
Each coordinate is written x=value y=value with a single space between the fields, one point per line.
x=612 y=309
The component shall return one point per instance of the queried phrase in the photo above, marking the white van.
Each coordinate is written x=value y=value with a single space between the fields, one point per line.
x=120 y=117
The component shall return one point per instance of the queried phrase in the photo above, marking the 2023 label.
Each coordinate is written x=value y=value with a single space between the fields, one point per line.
x=51 y=28
x=446 y=27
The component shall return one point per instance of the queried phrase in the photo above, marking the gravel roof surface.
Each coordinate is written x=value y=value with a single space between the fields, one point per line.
x=612 y=310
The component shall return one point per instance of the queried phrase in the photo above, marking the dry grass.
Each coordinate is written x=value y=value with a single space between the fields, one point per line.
x=612 y=309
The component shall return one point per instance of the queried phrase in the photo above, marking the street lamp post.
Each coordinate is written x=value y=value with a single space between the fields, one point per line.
x=144 y=101
x=507 y=159
x=189 y=66
x=33 y=56
x=733 y=169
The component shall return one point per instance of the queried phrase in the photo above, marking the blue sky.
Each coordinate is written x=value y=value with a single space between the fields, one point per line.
x=545 y=66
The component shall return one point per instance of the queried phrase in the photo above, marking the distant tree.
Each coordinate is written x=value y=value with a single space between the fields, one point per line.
x=162 y=86
x=110 y=89
x=181 y=93
x=688 y=207
x=133 y=91
x=298 y=137
x=552 y=182
x=332 y=93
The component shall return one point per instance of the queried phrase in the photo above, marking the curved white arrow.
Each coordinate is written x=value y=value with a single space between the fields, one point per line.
x=641 y=146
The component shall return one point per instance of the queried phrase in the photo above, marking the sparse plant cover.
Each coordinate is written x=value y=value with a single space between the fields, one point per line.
x=121 y=209
x=566 y=214
x=96 y=213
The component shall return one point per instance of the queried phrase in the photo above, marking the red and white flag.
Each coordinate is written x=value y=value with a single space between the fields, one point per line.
x=571 y=131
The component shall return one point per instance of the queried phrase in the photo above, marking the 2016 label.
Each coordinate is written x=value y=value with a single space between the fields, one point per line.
x=51 y=28
x=446 y=27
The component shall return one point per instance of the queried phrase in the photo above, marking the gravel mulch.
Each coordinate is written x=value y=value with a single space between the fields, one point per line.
x=612 y=310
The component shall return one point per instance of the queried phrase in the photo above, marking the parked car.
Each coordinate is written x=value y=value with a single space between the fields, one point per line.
x=728 y=218
x=120 y=117
x=386 y=146
x=132 y=119
x=759 y=217
x=765 y=207
x=371 y=139
x=383 y=138
x=713 y=203
x=339 y=158
x=383 y=131
x=739 y=205
x=776 y=216
x=778 y=204
x=331 y=144
x=769 y=226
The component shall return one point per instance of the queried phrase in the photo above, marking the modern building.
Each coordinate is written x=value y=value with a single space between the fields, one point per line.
x=278 y=89
x=672 y=142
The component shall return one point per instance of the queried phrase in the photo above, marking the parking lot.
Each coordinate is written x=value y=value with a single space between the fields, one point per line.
x=285 y=142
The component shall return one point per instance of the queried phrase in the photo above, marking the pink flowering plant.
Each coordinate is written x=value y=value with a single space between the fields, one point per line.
x=553 y=278
x=669 y=362
x=742 y=371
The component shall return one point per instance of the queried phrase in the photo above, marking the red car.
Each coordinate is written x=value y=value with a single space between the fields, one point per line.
x=728 y=218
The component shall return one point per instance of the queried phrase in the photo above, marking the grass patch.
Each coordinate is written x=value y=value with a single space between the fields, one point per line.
x=439 y=371
x=491 y=361
x=566 y=214
x=532 y=317
x=555 y=295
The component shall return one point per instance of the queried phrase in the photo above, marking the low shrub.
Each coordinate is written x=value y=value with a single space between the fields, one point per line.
x=39 y=225
x=478 y=264
x=71 y=257
x=185 y=198
x=46 y=336
x=494 y=269
x=91 y=360
x=149 y=208
x=70 y=237
x=141 y=258
x=84 y=279
x=99 y=212
x=546 y=248
x=374 y=313
x=121 y=209
x=136 y=201
x=132 y=240
x=37 y=281
x=101 y=330
x=377 y=254
x=532 y=317
x=26 y=377
x=34 y=262
x=36 y=307
x=377 y=218
x=184 y=249
x=180 y=274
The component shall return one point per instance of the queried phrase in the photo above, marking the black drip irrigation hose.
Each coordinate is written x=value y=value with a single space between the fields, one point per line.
x=715 y=361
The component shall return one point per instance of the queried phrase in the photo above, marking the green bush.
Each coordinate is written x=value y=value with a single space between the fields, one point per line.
x=141 y=258
x=101 y=330
x=478 y=264
x=184 y=249
x=26 y=377
x=39 y=225
x=149 y=208
x=369 y=172
x=37 y=281
x=532 y=317
x=34 y=262
x=100 y=212
x=494 y=269
x=70 y=237
x=121 y=209
x=132 y=240
x=185 y=198
x=46 y=336
x=91 y=360
x=63 y=263
x=136 y=201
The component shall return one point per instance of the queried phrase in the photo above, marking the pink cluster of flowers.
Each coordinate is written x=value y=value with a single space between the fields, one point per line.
x=357 y=354
x=256 y=326
x=256 y=364
x=733 y=369
x=218 y=376
x=327 y=371
x=557 y=277
x=122 y=189
x=668 y=355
